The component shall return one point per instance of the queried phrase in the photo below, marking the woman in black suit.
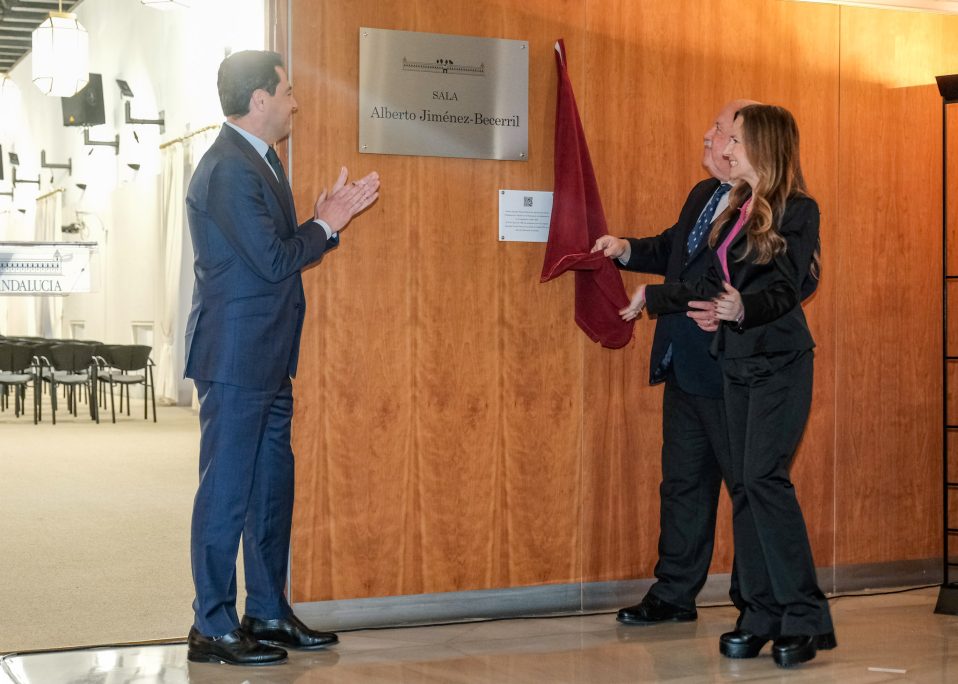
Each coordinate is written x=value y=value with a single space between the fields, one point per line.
x=765 y=262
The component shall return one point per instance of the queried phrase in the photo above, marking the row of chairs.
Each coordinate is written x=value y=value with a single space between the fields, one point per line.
x=78 y=368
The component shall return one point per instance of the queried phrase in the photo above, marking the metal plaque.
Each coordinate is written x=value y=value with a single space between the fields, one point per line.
x=436 y=95
x=524 y=215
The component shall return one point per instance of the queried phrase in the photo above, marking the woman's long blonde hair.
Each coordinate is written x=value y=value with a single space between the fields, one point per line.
x=770 y=137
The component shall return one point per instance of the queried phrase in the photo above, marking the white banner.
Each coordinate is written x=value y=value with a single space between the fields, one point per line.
x=45 y=268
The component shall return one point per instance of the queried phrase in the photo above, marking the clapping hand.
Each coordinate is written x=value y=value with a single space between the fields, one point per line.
x=338 y=207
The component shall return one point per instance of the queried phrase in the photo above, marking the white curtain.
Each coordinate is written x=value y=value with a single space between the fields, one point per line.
x=49 y=309
x=171 y=245
x=179 y=161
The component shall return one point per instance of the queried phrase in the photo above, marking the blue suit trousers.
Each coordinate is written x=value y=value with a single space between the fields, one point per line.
x=245 y=490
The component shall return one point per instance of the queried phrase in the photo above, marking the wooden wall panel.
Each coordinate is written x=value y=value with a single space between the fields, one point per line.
x=454 y=429
x=889 y=342
x=438 y=437
x=357 y=451
x=660 y=76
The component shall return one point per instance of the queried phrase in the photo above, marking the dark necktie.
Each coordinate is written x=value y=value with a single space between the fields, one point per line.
x=274 y=161
x=277 y=166
x=705 y=219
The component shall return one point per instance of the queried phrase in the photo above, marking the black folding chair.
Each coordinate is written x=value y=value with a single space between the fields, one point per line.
x=17 y=370
x=125 y=365
x=73 y=366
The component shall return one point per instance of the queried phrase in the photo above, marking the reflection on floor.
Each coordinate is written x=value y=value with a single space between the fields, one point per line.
x=894 y=637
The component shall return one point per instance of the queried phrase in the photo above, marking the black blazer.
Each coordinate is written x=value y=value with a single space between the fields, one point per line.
x=772 y=293
x=696 y=372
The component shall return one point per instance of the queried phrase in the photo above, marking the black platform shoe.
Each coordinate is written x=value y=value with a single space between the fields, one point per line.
x=788 y=651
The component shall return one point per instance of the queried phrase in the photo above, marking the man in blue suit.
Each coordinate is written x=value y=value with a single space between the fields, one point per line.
x=242 y=345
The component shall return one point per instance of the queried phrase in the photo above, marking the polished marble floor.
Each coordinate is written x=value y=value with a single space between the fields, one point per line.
x=890 y=638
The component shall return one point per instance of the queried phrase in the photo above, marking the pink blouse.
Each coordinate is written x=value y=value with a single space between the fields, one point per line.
x=722 y=250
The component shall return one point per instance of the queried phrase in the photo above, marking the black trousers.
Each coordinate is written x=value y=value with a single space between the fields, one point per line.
x=694 y=456
x=767 y=400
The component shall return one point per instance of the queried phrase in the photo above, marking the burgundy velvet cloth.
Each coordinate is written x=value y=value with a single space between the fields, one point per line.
x=577 y=222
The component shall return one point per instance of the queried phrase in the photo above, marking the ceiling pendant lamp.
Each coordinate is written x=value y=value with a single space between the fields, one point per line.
x=166 y=4
x=61 y=55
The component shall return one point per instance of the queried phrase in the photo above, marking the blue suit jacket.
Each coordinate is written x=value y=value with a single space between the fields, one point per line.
x=696 y=371
x=248 y=301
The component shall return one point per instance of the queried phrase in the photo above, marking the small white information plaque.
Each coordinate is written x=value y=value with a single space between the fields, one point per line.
x=524 y=215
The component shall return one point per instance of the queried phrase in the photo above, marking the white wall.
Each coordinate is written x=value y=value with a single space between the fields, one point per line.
x=169 y=59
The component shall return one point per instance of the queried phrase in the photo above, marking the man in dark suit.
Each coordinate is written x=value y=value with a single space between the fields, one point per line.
x=242 y=345
x=694 y=431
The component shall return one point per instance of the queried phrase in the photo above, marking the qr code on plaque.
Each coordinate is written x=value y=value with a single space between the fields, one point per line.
x=526 y=201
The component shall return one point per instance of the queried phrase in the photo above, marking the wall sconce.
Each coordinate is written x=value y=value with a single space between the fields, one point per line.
x=44 y=165
x=134 y=172
x=61 y=54
x=21 y=181
x=161 y=122
x=127 y=91
x=115 y=143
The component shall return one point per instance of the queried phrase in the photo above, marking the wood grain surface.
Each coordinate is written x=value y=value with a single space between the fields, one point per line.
x=454 y=429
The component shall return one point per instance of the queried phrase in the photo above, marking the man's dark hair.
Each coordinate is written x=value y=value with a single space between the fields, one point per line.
x=243 y=72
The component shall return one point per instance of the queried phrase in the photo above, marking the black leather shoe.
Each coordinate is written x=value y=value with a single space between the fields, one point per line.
x=288 y=632
x=235 y=648
x=826 y=642
x=741 y=644
x=652 y=611
x=792 y=650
